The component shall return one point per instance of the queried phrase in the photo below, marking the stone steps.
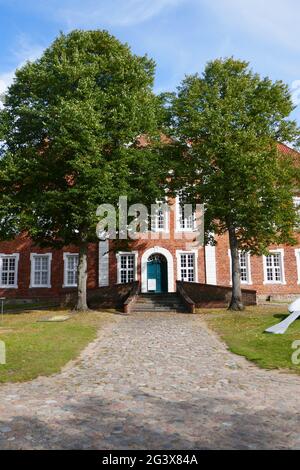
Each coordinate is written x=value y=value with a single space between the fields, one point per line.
x=158 y=303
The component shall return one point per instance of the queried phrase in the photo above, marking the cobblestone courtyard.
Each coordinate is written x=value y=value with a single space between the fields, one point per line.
x=153 y=381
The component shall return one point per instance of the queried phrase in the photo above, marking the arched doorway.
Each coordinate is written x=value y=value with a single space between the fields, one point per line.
x=144 y=266
x=157 y=273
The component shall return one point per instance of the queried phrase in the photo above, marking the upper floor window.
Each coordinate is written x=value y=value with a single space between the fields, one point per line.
x=185 y=215
x=297 y=207
x=160 y=218
x=274 y=268
x=70 y=269
x=41 y=270
x=9 y=271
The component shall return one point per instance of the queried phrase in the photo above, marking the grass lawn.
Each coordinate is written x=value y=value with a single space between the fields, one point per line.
x=244 y=335
x=42 y=348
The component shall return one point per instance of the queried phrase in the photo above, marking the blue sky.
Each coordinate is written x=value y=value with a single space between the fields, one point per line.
x=181 y=35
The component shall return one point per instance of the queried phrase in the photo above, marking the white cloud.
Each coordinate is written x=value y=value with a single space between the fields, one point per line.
x=116 y=13
x=23 y=51
x=272 y=20
x=5 y=80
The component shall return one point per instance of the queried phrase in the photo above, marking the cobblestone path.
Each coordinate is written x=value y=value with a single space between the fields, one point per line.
x=154 y=381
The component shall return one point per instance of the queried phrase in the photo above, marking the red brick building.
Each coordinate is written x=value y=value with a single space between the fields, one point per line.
x=30 y=272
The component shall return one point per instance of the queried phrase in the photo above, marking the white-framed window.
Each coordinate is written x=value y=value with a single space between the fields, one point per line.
x=245 y=267
x=70 y=269
x=297 y=254
x=127 y=267
x=274 y=267
x=160 y=218
x=185 y=216
x=40 y=270
x=187 y=266
x=297 y=207
x=9 y=270
x=296 y=200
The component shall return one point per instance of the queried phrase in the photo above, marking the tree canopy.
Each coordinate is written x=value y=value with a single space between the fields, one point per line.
x=70 y=126
x=227 y=124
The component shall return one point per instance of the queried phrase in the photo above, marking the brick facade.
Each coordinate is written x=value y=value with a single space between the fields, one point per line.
x=24 y=247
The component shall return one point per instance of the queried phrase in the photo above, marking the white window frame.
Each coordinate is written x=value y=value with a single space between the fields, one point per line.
x=32 y=261
x=17 y=257
x=154 y=219
x=126 y=253
x=66 y=256
x=249 y=274
x=179 y=228
x=296 y=201
x=282 y=281
x=178 y=258
x=297 y=254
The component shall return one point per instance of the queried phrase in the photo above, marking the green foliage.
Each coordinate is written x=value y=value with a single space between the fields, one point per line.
x=234 y=119
x=244 y=335
x=35 y=348
x=70 y=125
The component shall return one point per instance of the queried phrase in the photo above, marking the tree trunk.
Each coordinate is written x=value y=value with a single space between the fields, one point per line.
x=82 y=279
x=236 y=298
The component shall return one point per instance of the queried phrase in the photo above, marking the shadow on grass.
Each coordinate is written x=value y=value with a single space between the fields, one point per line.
x=283 y=316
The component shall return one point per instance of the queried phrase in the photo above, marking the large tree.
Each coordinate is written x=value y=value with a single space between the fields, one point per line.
x=71 y=122
x=227 y=124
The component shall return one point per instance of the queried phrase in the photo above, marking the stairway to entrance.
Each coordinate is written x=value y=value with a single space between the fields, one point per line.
x=158 y=303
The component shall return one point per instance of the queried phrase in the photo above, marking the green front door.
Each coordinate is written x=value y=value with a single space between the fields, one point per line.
x=157 y=274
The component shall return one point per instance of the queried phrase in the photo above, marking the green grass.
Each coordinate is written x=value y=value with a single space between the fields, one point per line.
x=244 y=335
x=34 y=348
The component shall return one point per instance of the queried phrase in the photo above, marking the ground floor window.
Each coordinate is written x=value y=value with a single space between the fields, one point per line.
x=244 y=266
x=41 y=270
x=70 y=269
x=126 y=268
x=9 y=271
x=297 y=254
x=273 y=267
x=187 y=267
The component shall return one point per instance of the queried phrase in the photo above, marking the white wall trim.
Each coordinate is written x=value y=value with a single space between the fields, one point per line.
x=187 y=252
x=45 y=286
x=17 y=257
x=248 y=257
x=65 y=256
x=103 y=274
x=118 y=256
x=297 y=254
x=283 y=281
x=210 y=265
x=144 y=261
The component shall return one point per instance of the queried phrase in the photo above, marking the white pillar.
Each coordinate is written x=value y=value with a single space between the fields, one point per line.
x=103 y=263
x=210 y=265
